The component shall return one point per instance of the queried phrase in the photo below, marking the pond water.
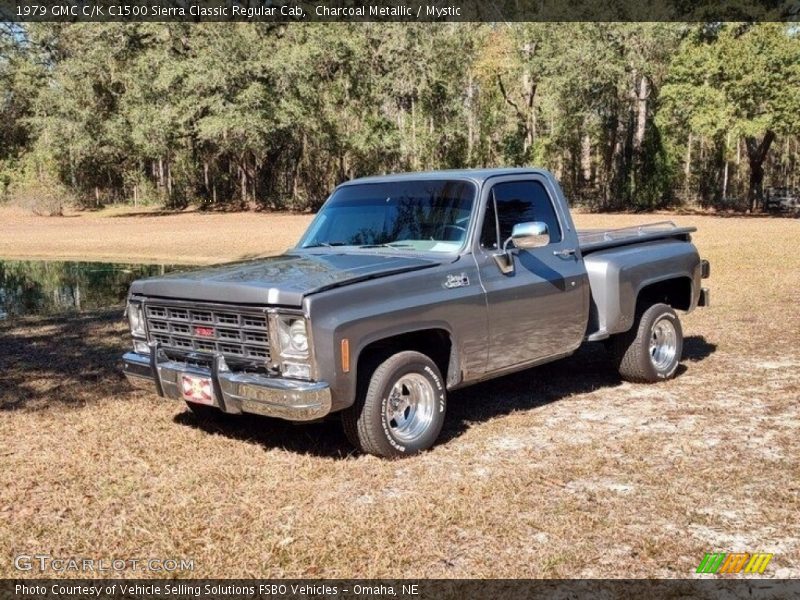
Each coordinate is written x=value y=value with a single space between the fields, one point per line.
x=36 y=287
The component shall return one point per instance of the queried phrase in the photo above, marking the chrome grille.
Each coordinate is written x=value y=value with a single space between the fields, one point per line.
x=235 y=333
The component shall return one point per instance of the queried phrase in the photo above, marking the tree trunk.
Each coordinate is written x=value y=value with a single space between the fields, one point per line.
x=433 y=147
x=756 y=154
x=610 y=146
x=470 y=119
x=524 y=110
x=687 y=168
x=620 y=164
x=72 y=177
x=586 y=159
x=413 y=136
x=642 y=96
x=687 y=165
x=254 y=179
x=725 y=169
x=243 y=180
x=160 y=174
x=725 y=181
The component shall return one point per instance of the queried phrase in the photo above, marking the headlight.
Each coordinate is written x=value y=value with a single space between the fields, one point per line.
x=298 y=335
x=136 y=319
x=293 y=337
x=291 y=349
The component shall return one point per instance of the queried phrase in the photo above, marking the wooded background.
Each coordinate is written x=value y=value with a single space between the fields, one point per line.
x=628 y=115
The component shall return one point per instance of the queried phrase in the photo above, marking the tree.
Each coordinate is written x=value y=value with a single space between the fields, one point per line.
x=274 y=115
x=21 y=77
x=743 y=78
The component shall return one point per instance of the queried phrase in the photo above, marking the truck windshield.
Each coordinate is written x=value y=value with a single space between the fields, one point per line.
x=423 y=216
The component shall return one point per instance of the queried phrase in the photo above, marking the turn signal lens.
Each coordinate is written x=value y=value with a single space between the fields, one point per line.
x=345 y=355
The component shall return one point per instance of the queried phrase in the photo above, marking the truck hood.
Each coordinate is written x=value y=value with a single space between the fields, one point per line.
x=281 y=280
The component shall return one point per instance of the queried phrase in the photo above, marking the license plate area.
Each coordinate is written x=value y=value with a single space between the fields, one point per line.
x=197 y=389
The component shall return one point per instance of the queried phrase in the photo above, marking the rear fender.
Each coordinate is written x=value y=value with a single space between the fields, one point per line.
x=618 y=277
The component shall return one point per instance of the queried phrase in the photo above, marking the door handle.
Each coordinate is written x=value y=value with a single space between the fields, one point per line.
x=565 y=253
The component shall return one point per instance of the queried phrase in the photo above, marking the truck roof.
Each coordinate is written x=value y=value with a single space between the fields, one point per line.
x=476 y=175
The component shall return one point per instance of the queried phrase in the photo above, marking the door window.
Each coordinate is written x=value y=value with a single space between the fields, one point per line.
x=517 y=202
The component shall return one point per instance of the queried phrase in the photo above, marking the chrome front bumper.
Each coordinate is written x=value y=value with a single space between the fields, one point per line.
x=233 y=392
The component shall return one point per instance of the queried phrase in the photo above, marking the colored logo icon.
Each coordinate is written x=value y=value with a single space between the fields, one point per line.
x=736 y=562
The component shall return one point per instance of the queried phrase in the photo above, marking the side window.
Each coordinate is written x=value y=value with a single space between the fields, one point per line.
x=518 y=202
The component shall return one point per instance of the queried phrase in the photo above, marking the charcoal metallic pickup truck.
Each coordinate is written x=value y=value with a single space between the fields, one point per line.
x=405 y=287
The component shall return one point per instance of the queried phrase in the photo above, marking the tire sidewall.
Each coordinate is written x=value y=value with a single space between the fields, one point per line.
x=652 y=316
x=426 y=368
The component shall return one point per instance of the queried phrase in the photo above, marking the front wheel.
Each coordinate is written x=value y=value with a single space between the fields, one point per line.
x=400 y=407
x=651 y=350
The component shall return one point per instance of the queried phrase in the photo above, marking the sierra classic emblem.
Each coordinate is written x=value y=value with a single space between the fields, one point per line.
x=204 y=331
x=456 y=280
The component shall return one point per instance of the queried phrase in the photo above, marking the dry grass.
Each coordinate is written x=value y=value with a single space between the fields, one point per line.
x=147 y=235
x=559 y=471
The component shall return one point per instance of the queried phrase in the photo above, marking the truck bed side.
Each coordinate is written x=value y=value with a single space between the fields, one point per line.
x=665 y=270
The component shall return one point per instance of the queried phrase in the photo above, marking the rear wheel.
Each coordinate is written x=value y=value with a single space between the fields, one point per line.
x=400 y=407
x=651 y=350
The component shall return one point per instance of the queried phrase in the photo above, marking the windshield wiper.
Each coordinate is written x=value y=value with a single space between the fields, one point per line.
x=389 y=245
x=325 y=244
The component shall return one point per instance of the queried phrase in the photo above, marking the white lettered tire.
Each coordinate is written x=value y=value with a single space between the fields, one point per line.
x=400 y=407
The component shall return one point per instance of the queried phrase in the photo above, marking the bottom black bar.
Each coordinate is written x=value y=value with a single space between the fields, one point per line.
x=405 y=589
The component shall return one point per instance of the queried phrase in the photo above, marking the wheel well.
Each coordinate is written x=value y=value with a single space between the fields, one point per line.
x=676 y=292
x=434 y=343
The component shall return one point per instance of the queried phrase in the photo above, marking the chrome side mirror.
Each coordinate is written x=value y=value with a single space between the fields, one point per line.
x=525 y=236
x=530 y=235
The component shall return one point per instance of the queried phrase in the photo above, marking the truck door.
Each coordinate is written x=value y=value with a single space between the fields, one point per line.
x=539 y=309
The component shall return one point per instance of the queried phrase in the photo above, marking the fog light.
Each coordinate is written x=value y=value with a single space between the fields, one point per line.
x=141 y=347
x=297 y=371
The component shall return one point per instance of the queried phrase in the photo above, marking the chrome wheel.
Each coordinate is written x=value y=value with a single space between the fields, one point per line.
x=663 y=344
x=409 y=408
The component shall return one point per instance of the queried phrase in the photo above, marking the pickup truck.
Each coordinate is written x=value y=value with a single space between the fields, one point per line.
x=404 y=288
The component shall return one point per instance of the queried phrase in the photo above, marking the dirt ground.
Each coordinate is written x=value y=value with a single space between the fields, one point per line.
x=559 y=471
